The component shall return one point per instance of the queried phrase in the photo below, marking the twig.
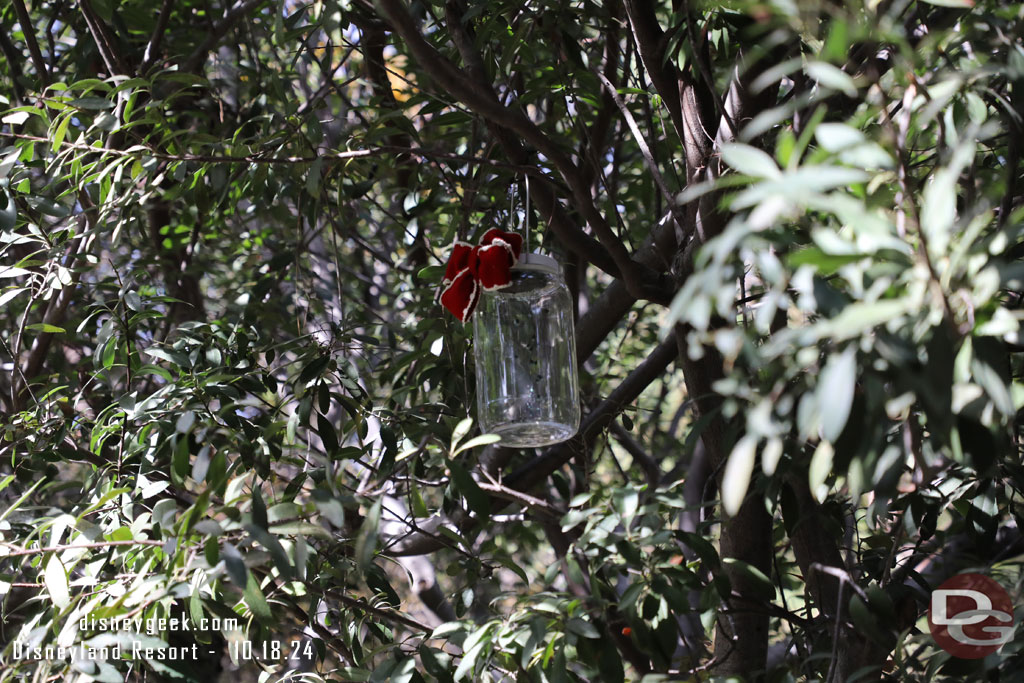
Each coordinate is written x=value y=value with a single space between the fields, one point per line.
x=387 y=615
x=645 y=150
x=23 y=552
x=499 y=491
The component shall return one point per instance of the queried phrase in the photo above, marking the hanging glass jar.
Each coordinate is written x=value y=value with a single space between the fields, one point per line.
x=525 y=350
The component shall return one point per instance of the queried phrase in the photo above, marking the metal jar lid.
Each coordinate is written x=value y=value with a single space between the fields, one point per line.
x=538 y=262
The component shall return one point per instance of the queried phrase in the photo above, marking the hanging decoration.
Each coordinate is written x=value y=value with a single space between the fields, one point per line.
x=485 y=267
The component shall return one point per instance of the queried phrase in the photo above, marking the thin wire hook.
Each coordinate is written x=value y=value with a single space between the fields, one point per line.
x=526 y=218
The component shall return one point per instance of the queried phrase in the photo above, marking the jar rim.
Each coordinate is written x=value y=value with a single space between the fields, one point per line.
x=538 y=262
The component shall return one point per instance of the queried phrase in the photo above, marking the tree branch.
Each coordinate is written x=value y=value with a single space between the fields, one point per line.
x=157 y=37
x=104 y=44
x=28 y=30
x=645 y=151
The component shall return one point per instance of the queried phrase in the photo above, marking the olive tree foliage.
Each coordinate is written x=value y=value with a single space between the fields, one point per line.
x=793 y=232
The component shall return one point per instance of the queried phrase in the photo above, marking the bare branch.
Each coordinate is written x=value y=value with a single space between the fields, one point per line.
x=104 y=43
x=28 y=31
x=157 y=37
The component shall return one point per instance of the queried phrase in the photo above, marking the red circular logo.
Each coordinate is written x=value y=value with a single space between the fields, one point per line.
x=970 y=616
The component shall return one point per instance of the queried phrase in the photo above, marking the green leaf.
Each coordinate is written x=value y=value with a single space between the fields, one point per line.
x=201 y=464
x=180 y=461
x=175 y=358
x=314 y=368
x=460 y=431
x=103 y=500
x=10 y=295
x=835 y=391
x=91 y=103
x=276 y=550
x=59 y=133
x=259 y=509
x=481 y=440
x=431 y=273
x=133 y=301
x=195 y=606
x=366 y=542
x=7 y=163
x=255 y=600
x=582 y=628
x=17 y=116
x=750 y=161
x=300 y=529
x=448 y=628
x=938 y=201
x=234 y=564
x=938 y=209
x=474 y=646
x=155 y=370
x=45 y=327
x=860 y=317
x=56 y=579
x=478 y=501
x=11 y=271
x=826 y=264
x=837 y=136
x=625 y=502
x=313 y=177
x=832 y=77
x=771 y=454
x=738 y=470
x=819 y=469
x=16 y=504
x=325 y=430
x=852 y=146
x=867 y=623
x=109 y=353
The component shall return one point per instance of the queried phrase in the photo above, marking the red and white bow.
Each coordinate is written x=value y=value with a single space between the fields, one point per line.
x=485 y=267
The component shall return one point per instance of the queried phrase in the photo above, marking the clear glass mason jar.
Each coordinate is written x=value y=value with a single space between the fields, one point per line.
x=524 y=344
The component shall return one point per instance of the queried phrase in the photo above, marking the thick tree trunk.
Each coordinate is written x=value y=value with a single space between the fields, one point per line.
x=741 y=636
x=741 y=639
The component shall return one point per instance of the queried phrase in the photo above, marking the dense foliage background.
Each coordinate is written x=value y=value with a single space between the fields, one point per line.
x=793 y=231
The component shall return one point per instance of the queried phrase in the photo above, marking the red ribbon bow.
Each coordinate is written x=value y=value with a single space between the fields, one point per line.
x=486 y=267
